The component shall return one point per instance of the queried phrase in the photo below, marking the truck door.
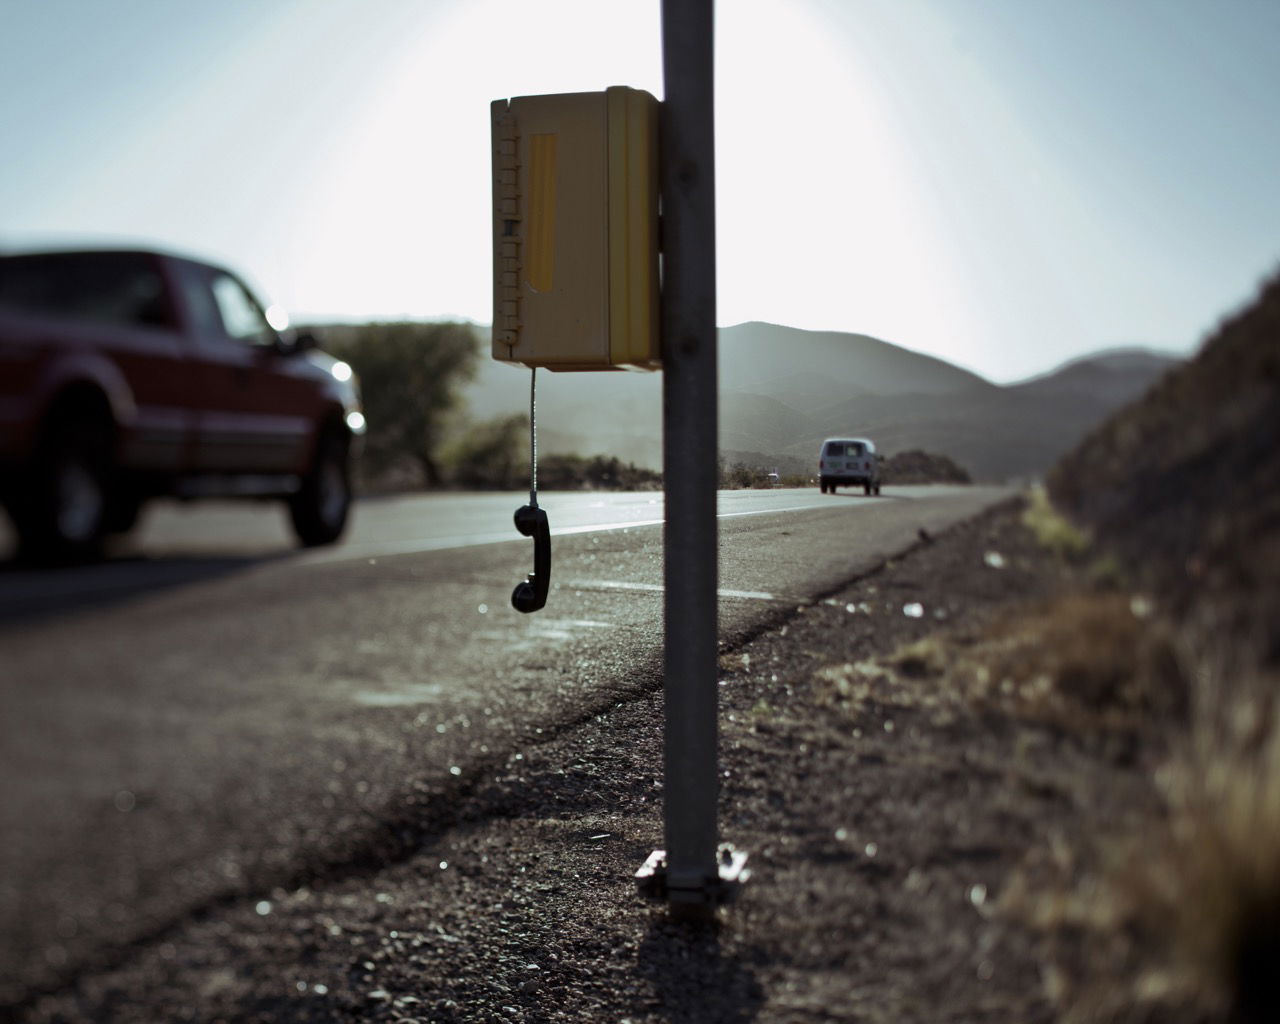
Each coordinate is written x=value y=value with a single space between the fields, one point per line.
x=254 y=415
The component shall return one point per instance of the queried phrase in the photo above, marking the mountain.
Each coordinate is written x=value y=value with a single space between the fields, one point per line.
x=782 y=390
x=1014 y=431
x=1117 y=375
x=814 y=368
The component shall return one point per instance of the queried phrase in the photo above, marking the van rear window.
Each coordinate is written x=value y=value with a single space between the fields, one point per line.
x=845 y=449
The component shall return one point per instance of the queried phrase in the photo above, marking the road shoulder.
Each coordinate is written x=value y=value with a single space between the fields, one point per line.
x=920 y=840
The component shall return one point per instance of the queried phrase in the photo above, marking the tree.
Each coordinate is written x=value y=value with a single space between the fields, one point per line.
x=492 y=455
x=411 y=376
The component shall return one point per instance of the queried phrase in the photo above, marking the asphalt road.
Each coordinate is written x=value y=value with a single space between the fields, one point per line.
x=213 y=714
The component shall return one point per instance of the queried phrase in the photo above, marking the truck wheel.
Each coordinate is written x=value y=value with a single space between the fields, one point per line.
x=62 y=516
x=319 y=509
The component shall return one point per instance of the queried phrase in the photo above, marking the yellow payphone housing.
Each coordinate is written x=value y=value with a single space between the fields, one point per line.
x=575 y=230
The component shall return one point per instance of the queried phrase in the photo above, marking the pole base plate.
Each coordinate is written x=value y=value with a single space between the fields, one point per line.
x=653 y=879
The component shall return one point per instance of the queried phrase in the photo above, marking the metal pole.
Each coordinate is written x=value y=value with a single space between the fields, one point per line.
x=689 y=450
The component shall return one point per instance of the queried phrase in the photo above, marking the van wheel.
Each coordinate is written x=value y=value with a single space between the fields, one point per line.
x=320 y=507
x=62 y=515
x=866 y=490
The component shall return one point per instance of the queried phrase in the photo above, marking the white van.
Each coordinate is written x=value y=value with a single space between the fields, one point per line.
x=848 y=462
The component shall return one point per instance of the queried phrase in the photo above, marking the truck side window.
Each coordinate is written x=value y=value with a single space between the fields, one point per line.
x=241 y=317
x=193 y=280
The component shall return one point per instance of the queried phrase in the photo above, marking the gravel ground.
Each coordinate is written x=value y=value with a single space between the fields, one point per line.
x=927 y=835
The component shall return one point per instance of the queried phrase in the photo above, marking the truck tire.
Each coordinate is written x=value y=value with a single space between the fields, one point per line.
x=321 y=505
x=62 y=515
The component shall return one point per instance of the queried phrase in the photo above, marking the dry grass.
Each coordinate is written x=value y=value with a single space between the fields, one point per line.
x=1097 y=654
x=1085 y=659
x=1174 y=912
x=1208 y=881
x=1050 y=528
x=1183 y=909
x=1177 y=921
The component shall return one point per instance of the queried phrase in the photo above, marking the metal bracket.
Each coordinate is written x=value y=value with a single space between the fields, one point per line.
x=652 y=879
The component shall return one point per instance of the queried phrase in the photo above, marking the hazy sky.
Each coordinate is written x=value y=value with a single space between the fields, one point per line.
x=1003 y=183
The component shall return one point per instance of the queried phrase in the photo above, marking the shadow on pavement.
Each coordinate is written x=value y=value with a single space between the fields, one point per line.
x=29 y=593
x=693 y=980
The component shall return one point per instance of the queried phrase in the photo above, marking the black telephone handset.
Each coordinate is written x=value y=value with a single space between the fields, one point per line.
x=531 y=595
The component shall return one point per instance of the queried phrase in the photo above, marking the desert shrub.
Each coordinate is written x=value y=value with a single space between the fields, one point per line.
x=919 y=467
x=741 y=476
x=493 y=455
x=594 y=472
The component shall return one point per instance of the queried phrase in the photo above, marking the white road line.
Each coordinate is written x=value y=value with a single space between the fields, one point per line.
x=565 y=531
x=657 y=588
x=387 y=549
x=766 y=511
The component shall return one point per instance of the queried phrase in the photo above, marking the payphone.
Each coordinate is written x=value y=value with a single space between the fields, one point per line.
x=575 y=252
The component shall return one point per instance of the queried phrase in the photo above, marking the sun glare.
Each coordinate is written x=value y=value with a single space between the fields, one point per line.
x=403 y=218
x=823 y=220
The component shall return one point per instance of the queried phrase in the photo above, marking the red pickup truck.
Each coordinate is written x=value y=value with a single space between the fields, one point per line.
x=126 y=375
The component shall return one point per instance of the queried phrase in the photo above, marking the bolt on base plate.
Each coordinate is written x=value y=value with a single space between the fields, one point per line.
x=652 y=880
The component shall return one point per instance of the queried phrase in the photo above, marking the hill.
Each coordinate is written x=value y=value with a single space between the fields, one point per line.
x=1118 y=375
x=811 y=369
x=782 y=390
x=1179 y=495
x=1185 y=484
